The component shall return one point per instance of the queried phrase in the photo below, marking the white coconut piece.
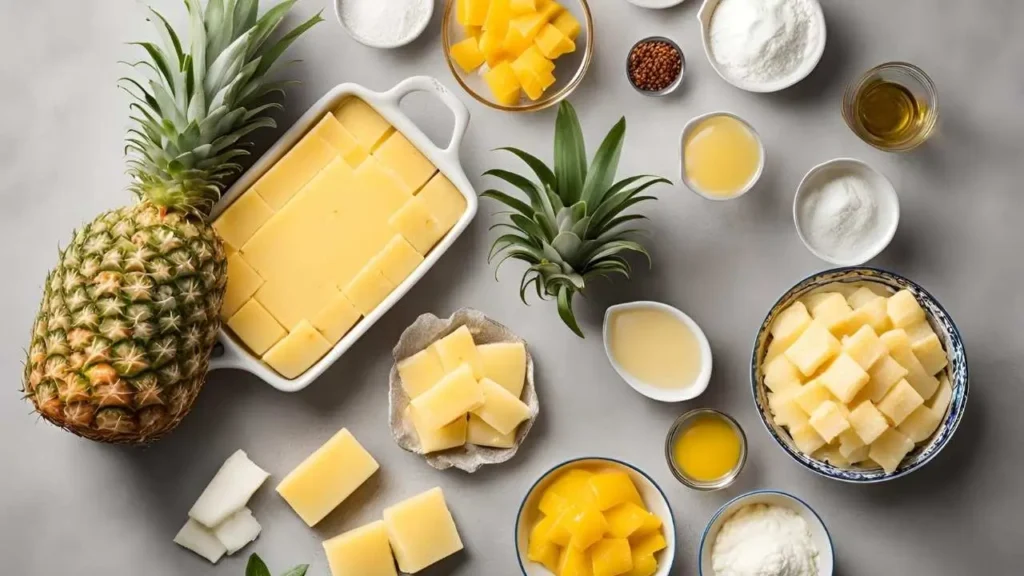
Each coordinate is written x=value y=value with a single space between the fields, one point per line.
x=238 y=530
x=229 y=491
x=201 y=540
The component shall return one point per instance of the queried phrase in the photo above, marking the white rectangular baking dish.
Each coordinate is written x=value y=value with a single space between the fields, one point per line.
x=234 y=354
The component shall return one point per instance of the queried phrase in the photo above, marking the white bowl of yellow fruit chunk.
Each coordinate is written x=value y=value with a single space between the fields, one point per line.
x=595 y=516
x=860 y=374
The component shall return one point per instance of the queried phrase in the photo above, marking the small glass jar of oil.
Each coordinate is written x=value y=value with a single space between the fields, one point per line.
x=706 y=449
x=893 y=107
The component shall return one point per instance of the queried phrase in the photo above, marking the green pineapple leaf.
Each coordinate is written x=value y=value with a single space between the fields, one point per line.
x=570 y=155
x=565 y=310
x=256 y=567
x=297 y=571
x=605 y=165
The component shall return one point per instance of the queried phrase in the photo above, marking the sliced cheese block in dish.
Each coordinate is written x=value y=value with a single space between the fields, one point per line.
x=297 y=351
x=363 y=122
x=459 y=348
x=201 y=540
x=481 y=433
x=420 y=372
x=505 y=363
x=238 y=530
x=256 y=327
x=450 y=435
x=364 y=551
x=327 y=477
x=229 y=491
x=421 y=531
x=457 y=394
x=405 y=161
x=503 y=411
x=243 y=218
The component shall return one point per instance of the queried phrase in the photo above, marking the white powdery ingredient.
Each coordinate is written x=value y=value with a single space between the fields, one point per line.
x=840 y=218
x=763 y=41
x=764 y=540
x=384 y=22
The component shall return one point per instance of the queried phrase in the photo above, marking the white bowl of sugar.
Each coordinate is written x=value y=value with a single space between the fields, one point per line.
x=384 y=23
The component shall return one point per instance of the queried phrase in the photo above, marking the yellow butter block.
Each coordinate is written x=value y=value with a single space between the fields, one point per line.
x=503 y=82
x=422 y=531
x=451 y=435
x=420 y=372
x=336 y=319
x=294 y=170
x=467 y=54
x=243 y=282
x=890 y=449
x=481 y=433
x=457 y=394
x=364 y=551
x=867 y=422
x=242 y=219
x=458 y=348
x=256 y=327
x=499 y=12
x=611 y=557
x=363 y=122
x=415 y=222
x=445 y=203
x=568 y=24
x=398 y=260
x=368 y=289
x=327 y=477
x=403 y=159
x=331 y=130
x=505 y=363
x=503 y=411
x=291 y=303
x=297 y=351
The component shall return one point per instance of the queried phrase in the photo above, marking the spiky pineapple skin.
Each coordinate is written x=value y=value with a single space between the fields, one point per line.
x=122 y=341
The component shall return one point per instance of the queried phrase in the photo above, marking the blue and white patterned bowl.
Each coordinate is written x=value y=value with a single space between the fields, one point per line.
x=944 y=328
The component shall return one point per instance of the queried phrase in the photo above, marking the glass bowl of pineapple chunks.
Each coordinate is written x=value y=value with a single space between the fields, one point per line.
x=518 y=55
x=860 y=375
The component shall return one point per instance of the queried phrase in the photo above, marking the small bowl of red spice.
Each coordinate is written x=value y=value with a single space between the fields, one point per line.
x=655 y=65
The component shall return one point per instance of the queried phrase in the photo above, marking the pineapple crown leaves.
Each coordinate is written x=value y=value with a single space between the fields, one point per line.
x=256 y=567
x=195 y=104
x=572 y=225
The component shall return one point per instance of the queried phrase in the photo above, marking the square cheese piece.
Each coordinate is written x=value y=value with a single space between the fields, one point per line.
x=458 y=348
x=503 y=411
x=807 y=439
x=368 y=289
x=865 y=347
x=844 y=378
x=256 y=327
x=294 y=170
x=327 y=477
x=790 y=324
x=811 y=395
x=882 y=377
x=242 y=219
x=363 y=122
x=422 y=531
x=930 y=353
x=481 y=433
x=398 y=154
x=890 y=449
x=505 y=363
x=415 y=222
x=453 y=397
x=900 y=402
x=331 y=130
x=780 y=375
x=829 y=420
x=444 y=201
x=297 y=351
x=336 y=319
x=420 y=372
x=904 y=309
x=867 y=422
x=398 y=260
x=364 y=551
x=450 y=435
x=920 y=424
x=243 y=282
x=813 y=348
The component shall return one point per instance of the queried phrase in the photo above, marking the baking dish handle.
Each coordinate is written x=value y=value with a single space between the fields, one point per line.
x=434 y=86
x=225 y=355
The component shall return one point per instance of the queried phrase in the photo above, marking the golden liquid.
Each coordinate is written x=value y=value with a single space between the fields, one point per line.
x=655 y=347
x=722 y=156
x=888 y=113
x=708 y=449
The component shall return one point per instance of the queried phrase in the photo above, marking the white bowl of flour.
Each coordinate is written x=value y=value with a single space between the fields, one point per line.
x=763 y=45
x=766 y=533
x=384 y=23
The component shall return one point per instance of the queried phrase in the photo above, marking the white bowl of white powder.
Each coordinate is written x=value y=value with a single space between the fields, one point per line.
x=763 y=45
x=384 y=23
x=766 y=533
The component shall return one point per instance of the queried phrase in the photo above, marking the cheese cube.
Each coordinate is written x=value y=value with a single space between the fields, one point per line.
x=940 y=401
x=931 y=355
x=613 y=488
x=844 y=378
x=890 y=449
x=451 y=398
x=648 y=543
x=780 y=375
x=900 y=348
x=368 y=289
x=541 y=548
x=420 y=372
x=883 y=376
x=807 y=439
x=422 y=531
x=867 y=422
x=861 y=297
x=611 y=557
x=921 y=423
x=900 y=402
x=574 y=562
x=625 y=519
x=415 y=222
x=363 y=122
x=785 y=409
x=896 y=340
x=503 y=411
x=294 y=170
x=829 y=420
x=481 y=433
x=586 y=527
x=790 y=323
x=505 y=363
x=904 y=310
x=331 y=130
x=361 y=552
x=398 y=260
x=502 y=79
x=568 y=24
x=405 y=160
x=865 y=347
x=243 y=282
x=292 y=303
x=445 y=203
x=458 y=348
x=327 y=477
x=297 y=351
x=242 y=219
x=256 y=327
x=852 y=447
x=451 y=435
x=813 y=348
x=467 y=54
x=831 y=309
x=811 y=395
x=336 y=319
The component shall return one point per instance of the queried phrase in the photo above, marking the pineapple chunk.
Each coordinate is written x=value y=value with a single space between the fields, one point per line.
x=611 y=557
x=919 y=331
x=941 y=400
x=890 y=449
x=931 y=355
x=844 y=378
x=242 y=219
x=904 y=310
x=505 y=363
x=573 y=486
x=813 y=348
x=852 y=447
x=451 y=435
x=553 y=43
x=831 y=309
x=363 y=122
x=299 y=350
x=883 y=376
x=503 y=83
x=528 y=25
x=514 y=43
x=415 y=222
x=536 y=61
x=503 y=411
x=453 y=397
x=574 y=562
x=398 y=260
x=899 y=347
x=481 y=433
x=625 y=519
x=643 y=565
x=785 y=409
x=541 y=549
x=445 y=203
x=829 y=420
x=404 y=160
x=790 y=324
x=586 y=527
x=613 y=488
x=865 y=347
x=499 y=12
x=832 y=455
x=807 y=439
x=811 y=395
x=867 y=422
x=875 y=314
x=920 y=424
x=517 y=7
x=256 y=327
x=568 y=24
x=458 y=348
x=861 y=297
x=368 y=289
x=550 y=9
x=491 y=47
x=336 y=319
x=528 y=80
x=331 y=130
x=900 y=402
x=781 y=375
x=475 y=12
x=467 y=54
x=652 y=524
x=420 y=372
x=648 y=543
x=243 y=282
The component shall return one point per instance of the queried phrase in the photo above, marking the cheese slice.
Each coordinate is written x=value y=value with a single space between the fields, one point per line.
x=481 y=433
x=505 y=363
x=299 y=350
x=398 y=260
x=454 y=396
x=243 y=282
x=341 y=139
x=337 y=318
x=457 y=349
x=444 y=201
x=398 y=154
x=256 y=327
x=420 y=372
x=450 y=435
x=294 y=170
x=415 y=222
x=368 y=289
x=242 y=219
x=501 y=409
x=327 y=477
x=422 y=531
x=363 y=122
x=361 y=552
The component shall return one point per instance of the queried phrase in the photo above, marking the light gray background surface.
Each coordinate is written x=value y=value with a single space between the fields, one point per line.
x=74 y=507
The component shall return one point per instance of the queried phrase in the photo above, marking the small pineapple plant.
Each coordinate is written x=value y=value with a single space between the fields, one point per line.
x=572 y=226
x=129 y=316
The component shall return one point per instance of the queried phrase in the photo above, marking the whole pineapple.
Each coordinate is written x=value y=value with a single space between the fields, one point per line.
x=572 y=226
x=129 y=317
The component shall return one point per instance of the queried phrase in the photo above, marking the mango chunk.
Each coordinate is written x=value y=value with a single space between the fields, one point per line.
x=503 y=83
x=492 y=47
x=475 y=12
x=498 y=14
x=611 y=557
x=643 y=544
x=625 y=519
x=652 y=523
x=543 y=552
x=643 y=565
x=553 y=43
x=613 y=488
x=517 y=7
x=586 y=527
x=568 y=24
x=574 y=562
